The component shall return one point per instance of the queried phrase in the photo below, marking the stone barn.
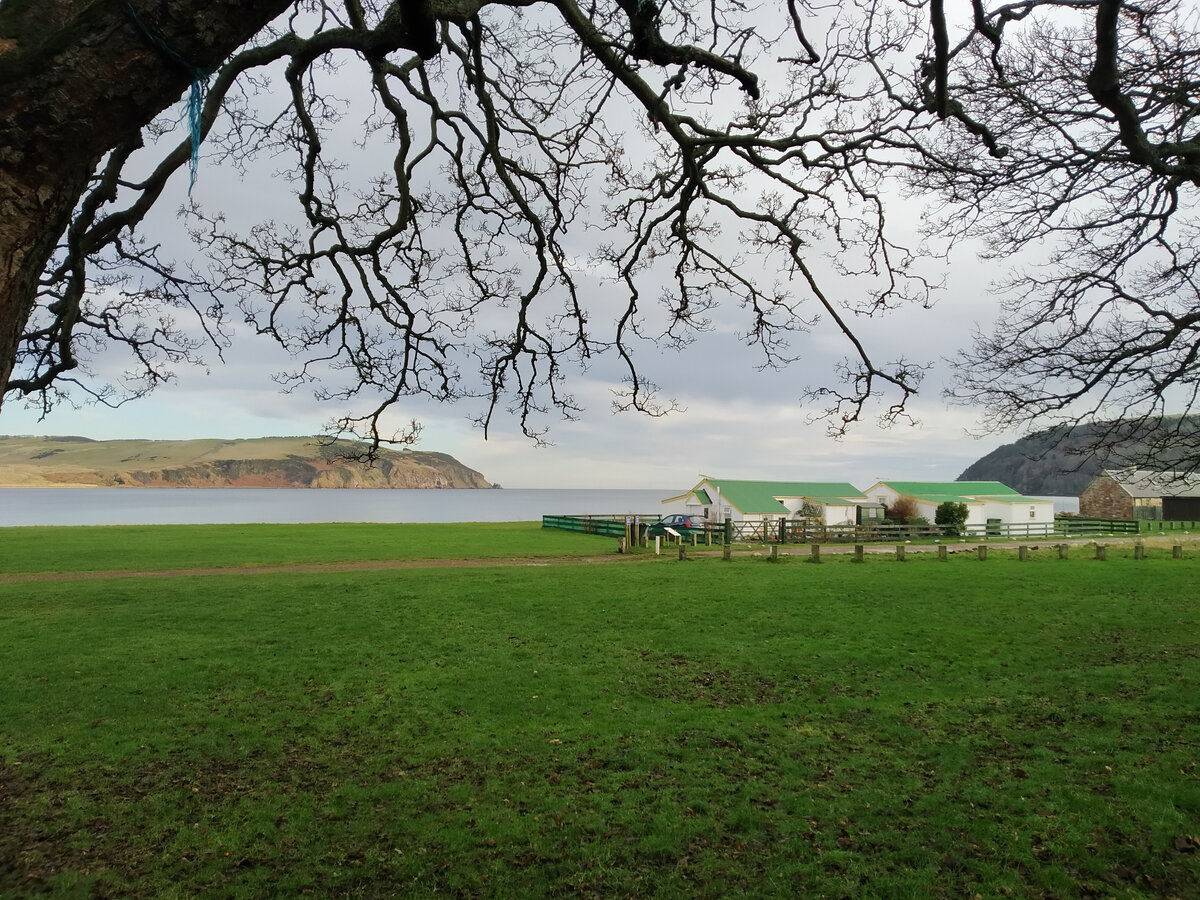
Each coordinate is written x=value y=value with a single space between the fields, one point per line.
x=1142 y=494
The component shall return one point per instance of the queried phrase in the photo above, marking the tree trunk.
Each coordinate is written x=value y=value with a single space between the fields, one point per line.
x=80 y=77
x=33 y=213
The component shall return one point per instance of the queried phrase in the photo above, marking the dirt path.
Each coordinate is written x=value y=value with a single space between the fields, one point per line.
x=669 y=554
x=365 y=565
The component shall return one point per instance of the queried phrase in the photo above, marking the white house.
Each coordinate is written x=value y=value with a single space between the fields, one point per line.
x=833 y=503
x=988 y=502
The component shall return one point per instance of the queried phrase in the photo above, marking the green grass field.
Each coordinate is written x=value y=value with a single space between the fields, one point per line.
x=642 y=727
x=151 y=547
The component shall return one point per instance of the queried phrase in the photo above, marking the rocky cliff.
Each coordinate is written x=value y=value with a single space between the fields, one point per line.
x=302 y=462
x=1061 y=461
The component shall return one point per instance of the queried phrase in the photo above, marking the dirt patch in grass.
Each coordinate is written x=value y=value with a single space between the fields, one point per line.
x=37 y=845
x=680 y=679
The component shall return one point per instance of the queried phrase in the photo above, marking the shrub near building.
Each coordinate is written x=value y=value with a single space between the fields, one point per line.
x=951 y=517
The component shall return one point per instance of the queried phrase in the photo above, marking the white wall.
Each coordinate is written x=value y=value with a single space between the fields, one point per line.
x=928 y=511
x=882 y=493
x=830 y=514
x=1019 y=513
x=924 y=509
x=1008 y=512
x=841 y=515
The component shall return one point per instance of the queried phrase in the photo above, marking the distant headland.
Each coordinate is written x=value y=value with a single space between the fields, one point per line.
x=270 y=462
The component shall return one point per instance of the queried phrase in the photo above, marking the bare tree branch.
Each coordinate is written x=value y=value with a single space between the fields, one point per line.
x=565 y=187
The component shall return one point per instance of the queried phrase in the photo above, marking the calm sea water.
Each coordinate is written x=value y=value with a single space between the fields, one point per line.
x=204 y=506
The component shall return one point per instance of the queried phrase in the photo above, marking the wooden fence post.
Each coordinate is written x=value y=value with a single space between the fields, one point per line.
x=727 y=551
x=1022 y=553
x=816 y=553
x=774 y=552
x=1177 y=552
x=1062 y=550
x=858 y=553
x=682 y=550
x=942 y=551
x=899 y=553
x=1101 y=551
x=982 y=551
x=1139 y=550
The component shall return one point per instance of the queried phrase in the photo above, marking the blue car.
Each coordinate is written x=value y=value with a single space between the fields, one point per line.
x=685 y=525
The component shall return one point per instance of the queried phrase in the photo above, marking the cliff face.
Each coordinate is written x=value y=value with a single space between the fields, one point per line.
x=1061 y=461
x=306 y=473
x=1042 y=464
x=262 y=463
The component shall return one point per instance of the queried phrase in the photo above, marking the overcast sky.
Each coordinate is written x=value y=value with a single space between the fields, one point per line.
x=734 y=421
x=760 y=434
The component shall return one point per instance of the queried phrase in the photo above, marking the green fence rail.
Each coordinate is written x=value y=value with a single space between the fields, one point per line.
x=610 y=525
x=1075 y=526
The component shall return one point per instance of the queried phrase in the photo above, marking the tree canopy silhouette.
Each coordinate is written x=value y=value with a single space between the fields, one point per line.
x=558 y=182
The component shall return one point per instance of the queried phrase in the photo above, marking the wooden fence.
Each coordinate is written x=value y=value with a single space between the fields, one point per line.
x=792 y=532
x=1074 y=526
x=1158 y=526
x=611 y=525
x=788 y=531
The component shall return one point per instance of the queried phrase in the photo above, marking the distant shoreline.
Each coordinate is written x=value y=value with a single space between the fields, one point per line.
x=272 y=462
x=69 y=486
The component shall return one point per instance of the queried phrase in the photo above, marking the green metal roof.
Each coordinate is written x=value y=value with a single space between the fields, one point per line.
x=762 y=496
x=954 y=491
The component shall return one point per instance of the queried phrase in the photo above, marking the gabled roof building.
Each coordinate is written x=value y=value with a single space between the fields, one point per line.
x=834 y=503
x=987 y=502
x=1142 y=494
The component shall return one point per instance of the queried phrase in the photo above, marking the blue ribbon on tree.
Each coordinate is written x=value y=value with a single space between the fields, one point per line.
x=196 y=93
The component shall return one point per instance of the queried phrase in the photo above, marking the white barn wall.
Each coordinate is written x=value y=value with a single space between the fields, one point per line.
x=841 y=515
x=979 y=511
x=1010 y=513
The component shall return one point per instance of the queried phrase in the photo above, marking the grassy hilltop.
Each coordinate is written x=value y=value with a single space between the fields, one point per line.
x=212 y=462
